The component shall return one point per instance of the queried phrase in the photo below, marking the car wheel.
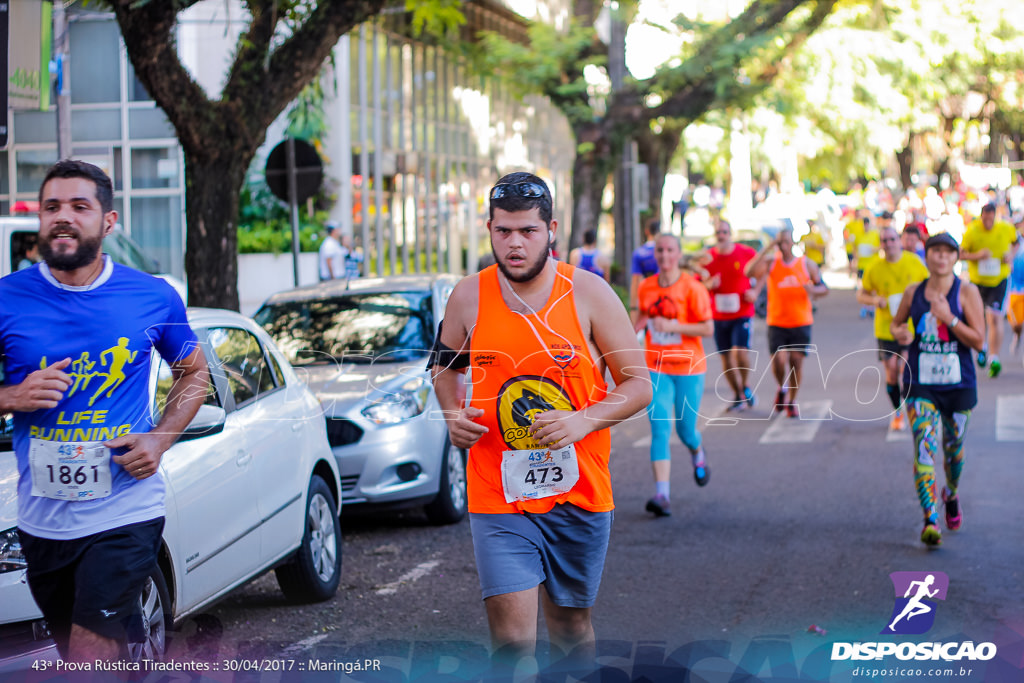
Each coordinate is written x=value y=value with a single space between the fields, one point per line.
x=148 y=639
x=452 y=502
x=313 y=573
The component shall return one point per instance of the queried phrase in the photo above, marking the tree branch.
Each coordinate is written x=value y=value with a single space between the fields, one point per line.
x=258 y=95
x=148 y=32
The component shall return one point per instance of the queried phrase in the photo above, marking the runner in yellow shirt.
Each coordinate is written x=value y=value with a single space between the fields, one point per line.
x=989 y=247
x=853 y=228
x=814 y=244
x=882 y=288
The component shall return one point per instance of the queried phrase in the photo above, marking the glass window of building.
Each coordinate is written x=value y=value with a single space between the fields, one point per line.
x=95 y=63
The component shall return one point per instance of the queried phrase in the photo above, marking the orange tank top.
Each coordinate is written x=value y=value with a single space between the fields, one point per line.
x=520 y=368
x=789 y=304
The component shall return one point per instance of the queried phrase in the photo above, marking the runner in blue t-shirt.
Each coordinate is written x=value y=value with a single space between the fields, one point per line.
x=644 y=265
x=589 y=257
x=76 y=335
x=1015 y=307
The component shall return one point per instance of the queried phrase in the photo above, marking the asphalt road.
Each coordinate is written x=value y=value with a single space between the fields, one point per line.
x=788 y=550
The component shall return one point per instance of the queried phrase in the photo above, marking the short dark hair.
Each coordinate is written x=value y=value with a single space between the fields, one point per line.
x=912 y=230
x=989 y=208
x=590 y=236
x=653 y=228
x=71 y=168
x=513 y=203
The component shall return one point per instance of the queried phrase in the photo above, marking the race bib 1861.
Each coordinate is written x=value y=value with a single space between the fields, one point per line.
x=538 y=473
x=69 y=470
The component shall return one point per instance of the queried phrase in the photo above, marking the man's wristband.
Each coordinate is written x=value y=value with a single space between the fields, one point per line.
x=954 y=322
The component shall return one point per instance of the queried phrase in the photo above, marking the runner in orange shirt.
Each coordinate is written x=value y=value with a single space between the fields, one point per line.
x=792 y=284
x=675 y=311
x=537 y=337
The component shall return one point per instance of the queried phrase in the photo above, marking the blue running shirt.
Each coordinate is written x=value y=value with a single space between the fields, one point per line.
x=1017 y=273
x=108 y=330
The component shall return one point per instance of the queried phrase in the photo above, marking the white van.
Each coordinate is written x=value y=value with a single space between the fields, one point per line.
x=14 y=231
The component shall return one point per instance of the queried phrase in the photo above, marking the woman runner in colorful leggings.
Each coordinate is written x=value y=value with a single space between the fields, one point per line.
x=941 y=385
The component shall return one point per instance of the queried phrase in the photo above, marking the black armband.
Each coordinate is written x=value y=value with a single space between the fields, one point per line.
x=445 y=356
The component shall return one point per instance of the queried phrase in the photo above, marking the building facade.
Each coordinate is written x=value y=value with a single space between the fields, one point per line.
x=415 y=141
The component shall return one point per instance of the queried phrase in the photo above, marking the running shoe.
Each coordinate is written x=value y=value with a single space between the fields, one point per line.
x=898 y=423
x=982 y=358
x=702 y=474
x=931 y=536
x=660 y=506
x=749 y=396
x=738 y=405
x=792 y=410
x=994 y=368
x=780 y=400
x=954 y=518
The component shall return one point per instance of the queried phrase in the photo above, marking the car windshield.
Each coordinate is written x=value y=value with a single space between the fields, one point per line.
x=389 y=326
x=125 y=252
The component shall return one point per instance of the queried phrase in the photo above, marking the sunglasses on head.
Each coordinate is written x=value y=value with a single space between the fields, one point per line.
x=527 y=189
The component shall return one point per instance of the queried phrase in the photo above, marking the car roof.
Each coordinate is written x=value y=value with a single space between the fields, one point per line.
x=369 y=285
x=204 y=316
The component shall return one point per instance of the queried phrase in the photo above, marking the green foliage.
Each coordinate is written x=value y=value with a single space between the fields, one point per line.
x=552 y=63
x=275 y=237
x=307 y=119
x=436 y=17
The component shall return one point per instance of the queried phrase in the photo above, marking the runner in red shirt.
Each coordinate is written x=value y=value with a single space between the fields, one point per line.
x=732 y=307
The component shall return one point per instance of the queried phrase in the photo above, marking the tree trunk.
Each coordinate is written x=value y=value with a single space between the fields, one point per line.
x=212 y=190
x=657 y=150
x=905 y=158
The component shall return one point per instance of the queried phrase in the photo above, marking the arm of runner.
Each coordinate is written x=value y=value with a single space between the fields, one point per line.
x=970 y=330
x=704 y=328
x=755 y=290
x=187 y=393
x=448 y=376
x=634 y=287
x=816 y=287
x=758 y=266
x=41 y=389
x=899 y=328
x=605 y=264
x=617 y=345
x=975 y=255
x=867 y=297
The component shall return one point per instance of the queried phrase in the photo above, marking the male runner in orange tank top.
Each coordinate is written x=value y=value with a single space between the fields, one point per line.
x=537 y=337
x=793 y=282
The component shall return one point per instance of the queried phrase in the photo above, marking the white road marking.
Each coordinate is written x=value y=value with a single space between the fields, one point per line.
x=902 y=435
x=644 y=442
x=298 y=648
x=1009 y=421
x=417 y=572
x=787 y=430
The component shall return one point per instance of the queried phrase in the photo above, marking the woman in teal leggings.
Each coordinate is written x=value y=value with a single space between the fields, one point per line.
x=675 y=312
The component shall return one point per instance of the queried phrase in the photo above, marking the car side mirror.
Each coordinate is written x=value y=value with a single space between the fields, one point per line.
x=209 y=420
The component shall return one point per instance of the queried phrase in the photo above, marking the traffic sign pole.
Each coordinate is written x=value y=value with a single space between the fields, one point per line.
x=293 y=194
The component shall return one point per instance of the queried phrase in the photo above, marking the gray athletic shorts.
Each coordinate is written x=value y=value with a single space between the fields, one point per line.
x=564 y=549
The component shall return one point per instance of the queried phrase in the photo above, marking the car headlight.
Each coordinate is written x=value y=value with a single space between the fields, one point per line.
x=401 y=404
x=11 y=556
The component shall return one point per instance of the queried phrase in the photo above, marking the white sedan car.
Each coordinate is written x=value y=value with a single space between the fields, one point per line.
x=251 y=485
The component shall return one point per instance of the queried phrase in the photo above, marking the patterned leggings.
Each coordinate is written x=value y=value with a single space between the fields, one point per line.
x=925 y=419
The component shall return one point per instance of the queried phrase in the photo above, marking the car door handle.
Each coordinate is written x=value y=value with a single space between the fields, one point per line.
x=243 y=458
